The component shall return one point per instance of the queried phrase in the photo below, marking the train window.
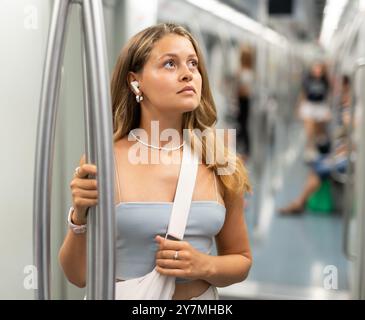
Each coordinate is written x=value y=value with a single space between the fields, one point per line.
x=280 y=7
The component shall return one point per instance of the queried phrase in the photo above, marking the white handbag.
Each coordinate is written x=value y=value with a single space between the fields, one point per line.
x=154 y=286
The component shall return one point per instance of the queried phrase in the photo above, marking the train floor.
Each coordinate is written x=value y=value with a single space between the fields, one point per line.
x=293 y=256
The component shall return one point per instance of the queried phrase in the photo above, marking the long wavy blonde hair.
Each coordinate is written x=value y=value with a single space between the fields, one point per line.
x=127 y=112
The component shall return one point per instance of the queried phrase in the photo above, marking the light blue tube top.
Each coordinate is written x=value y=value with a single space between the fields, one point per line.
x=139 y=222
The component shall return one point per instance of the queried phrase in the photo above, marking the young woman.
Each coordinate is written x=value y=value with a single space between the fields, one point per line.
x=160 y=76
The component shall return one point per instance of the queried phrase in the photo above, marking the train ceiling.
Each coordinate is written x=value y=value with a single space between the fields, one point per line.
x=299 y=19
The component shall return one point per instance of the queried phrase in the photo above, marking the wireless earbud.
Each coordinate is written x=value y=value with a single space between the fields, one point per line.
x=135 y=86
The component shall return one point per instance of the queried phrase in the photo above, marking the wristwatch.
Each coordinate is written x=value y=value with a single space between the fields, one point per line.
x=78 y=229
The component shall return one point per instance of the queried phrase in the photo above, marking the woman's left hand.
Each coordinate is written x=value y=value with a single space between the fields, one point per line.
x=191 y=263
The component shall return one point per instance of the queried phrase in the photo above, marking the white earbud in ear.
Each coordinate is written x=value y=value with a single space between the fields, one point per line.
x=135 y=86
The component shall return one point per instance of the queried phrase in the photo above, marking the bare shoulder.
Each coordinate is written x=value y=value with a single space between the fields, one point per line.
x=206 y=180
x=122 y=144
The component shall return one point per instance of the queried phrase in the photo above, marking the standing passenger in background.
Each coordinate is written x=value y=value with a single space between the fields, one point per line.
x=345 y=102
x=245 y=90
x=313 y=107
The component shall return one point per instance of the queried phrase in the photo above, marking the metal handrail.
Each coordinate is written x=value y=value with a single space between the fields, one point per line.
x=45 y=147
x=102 y=119
x=360 y=64
x=97 y=110
x=90 y=157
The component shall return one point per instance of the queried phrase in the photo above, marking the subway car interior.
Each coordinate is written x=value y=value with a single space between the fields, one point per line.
x=286 y=76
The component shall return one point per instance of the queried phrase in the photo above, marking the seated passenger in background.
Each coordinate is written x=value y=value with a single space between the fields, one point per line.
x=321 y=169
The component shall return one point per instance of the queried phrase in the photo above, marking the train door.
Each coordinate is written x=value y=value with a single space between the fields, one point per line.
x=354 y=208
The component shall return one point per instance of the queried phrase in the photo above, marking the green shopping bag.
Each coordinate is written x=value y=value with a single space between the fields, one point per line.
x=321 y=201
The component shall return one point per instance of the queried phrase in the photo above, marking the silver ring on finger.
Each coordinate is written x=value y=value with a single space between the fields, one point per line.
x=77 y=170
x=176 y=255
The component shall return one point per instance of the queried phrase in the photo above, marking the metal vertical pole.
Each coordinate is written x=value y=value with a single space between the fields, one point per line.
x=349 y=189
x=257 y=143
x=90 y=157
x=45 y=146
x=96 y=57
x=99 y=149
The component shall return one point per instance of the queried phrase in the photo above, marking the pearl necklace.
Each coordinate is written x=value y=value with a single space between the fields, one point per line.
x=155 y=147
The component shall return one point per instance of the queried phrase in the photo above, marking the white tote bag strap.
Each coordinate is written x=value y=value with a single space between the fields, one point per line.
x=184 y=194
